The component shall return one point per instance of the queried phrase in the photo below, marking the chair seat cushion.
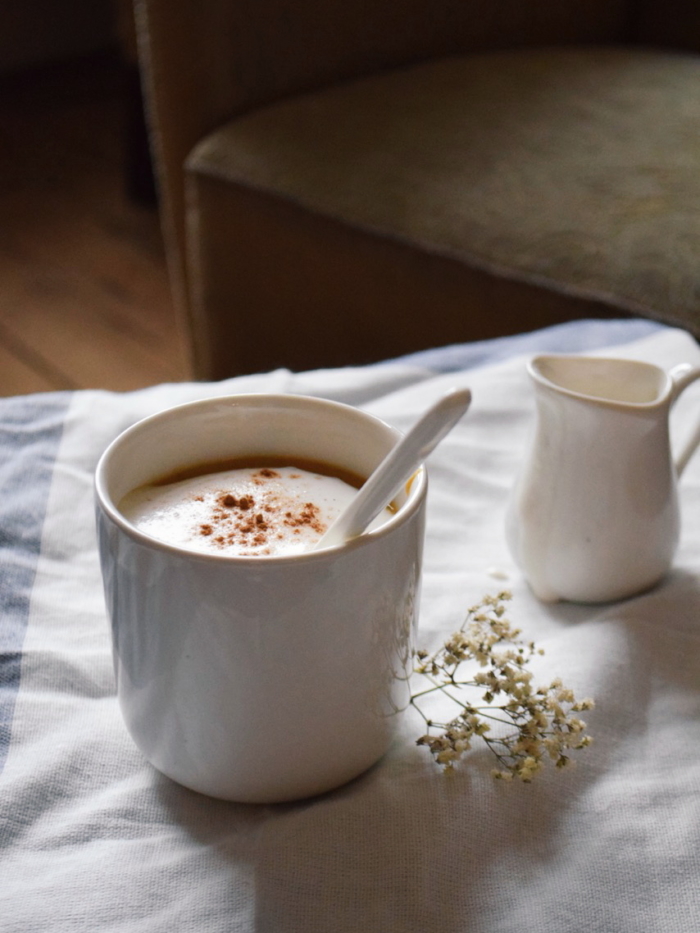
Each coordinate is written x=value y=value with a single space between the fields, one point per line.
x=576 y=168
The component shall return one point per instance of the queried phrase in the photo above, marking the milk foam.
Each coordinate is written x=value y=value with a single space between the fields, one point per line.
x=254 y=511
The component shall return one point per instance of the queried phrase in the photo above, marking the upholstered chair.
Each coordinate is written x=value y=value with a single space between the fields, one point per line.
x=342 y=182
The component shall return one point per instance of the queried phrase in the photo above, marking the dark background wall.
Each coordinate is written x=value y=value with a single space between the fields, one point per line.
x=38 y=32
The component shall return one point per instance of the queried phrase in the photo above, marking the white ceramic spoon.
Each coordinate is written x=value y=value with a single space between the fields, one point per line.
x=398 y=465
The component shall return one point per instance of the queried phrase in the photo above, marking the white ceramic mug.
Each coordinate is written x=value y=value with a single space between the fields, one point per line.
x=259 y=679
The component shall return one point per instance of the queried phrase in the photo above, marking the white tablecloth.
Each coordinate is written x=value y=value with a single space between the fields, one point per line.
x=93 y=838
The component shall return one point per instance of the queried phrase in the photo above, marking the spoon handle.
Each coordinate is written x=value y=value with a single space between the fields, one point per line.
x=399 y=464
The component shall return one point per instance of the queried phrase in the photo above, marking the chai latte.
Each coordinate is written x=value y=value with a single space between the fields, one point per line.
x=239 y=509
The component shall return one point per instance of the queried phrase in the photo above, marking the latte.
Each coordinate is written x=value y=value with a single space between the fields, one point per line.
x=244 y=511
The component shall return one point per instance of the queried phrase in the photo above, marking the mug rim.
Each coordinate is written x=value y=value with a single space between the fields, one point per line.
x=107 y=505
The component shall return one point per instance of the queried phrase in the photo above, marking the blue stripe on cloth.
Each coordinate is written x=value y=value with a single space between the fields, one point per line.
x=572 y=337
x=30 y=432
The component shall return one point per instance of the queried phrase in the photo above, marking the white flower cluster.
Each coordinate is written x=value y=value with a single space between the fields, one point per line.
x=529 y=725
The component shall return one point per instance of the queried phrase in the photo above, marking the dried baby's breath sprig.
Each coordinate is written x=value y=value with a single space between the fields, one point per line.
x=521 y=725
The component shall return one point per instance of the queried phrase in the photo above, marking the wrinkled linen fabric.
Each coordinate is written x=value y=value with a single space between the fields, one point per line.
x=93 y=838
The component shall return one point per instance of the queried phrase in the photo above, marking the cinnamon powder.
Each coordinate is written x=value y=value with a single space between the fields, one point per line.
x=247 y=523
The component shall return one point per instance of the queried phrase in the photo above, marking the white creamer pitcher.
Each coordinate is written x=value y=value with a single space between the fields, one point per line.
x=594 y=514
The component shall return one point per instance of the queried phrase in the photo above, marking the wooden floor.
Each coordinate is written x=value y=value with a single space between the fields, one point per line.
x=84 y=295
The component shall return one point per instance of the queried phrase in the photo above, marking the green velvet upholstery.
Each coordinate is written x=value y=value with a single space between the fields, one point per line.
x=455 y=197
x=532 y=163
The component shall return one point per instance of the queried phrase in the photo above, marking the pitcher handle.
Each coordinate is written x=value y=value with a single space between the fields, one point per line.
x=681 y=376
